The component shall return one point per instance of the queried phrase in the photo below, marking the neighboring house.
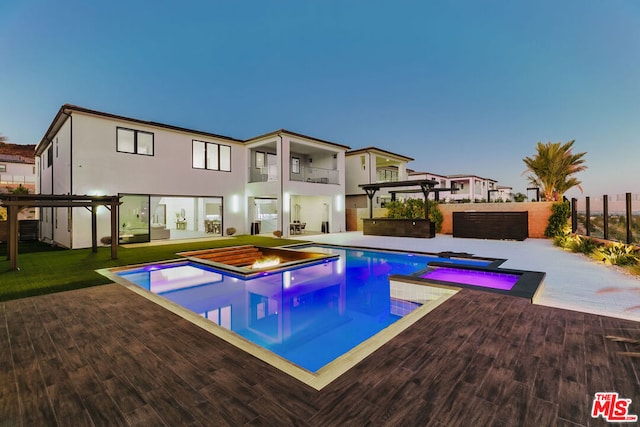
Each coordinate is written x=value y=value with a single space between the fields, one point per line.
x=180 y=183
x=470 y=187
x=372 y=165
x=17 y=167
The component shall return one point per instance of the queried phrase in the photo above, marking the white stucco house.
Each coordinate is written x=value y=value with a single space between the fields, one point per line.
x=470 y=187
x=17 y=169
x=179 y=183
x=372 y=165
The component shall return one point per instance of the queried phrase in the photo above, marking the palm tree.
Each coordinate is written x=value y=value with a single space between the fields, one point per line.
x=551 y=169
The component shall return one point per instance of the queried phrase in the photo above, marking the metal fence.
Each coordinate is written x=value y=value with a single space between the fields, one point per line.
x=610 y=217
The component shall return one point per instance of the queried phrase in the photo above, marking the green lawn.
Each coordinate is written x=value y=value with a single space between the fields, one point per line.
x=45 y=269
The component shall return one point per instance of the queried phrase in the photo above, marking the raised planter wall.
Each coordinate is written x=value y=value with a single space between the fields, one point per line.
x=538 y=218
x=399 y=227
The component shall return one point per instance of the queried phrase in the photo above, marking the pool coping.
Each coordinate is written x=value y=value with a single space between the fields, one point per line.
x=529 y=285
x=324 y=375
x=494 y=262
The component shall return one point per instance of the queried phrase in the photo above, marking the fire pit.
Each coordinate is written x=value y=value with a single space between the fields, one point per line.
x=248 y=260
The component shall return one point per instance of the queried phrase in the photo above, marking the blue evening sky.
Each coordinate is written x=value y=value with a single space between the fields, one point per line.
x=462 y=86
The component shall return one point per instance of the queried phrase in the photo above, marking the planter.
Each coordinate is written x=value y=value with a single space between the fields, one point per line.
x=399 y=227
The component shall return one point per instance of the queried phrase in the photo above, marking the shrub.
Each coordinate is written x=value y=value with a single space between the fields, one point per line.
x=617 y=254
x=231 y=231
x=558 y=221
x=414 y=209
x=576 y=243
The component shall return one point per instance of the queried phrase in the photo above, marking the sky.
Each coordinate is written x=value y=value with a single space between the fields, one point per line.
x=461 y=86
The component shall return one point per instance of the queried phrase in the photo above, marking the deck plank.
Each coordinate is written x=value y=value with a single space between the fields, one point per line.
x=105 y=355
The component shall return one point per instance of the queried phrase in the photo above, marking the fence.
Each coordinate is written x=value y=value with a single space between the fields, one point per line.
x=615 y=217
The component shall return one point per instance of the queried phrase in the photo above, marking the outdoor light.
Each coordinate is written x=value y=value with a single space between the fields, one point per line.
x=235 y=203
x=285 y=202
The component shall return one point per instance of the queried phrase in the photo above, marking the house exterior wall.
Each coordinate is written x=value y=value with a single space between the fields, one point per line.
x=359 y=167
x=85 y=160
x=17 y=173
x=88 y=162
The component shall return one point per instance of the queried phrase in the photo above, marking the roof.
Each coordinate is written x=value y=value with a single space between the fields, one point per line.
x=67 y=109
x=414 y=173
x=300 y=135
x=461 y=175
x=17 y=153
x=378 y=150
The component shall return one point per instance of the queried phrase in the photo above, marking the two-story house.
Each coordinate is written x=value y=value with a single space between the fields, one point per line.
x=470 y=188
x=179 y=183
x=372 y=165
x=17 y=167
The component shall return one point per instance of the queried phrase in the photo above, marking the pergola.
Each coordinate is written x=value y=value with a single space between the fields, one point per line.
x=16 y=202
x=426 y=186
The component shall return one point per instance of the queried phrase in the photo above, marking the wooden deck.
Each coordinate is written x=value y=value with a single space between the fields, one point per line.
x=106 y=356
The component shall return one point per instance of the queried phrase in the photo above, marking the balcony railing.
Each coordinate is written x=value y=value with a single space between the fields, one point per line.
x=307 y=174
x=316 y=175
x=263 y=174
x=17 y=179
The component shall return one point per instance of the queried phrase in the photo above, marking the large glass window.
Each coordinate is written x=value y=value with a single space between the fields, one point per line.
x=134 y=141
x=208 y=155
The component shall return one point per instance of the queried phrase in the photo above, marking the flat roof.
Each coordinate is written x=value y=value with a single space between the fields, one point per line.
x=379 y=150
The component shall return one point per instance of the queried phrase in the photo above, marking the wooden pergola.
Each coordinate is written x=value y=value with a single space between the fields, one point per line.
x=16 y=202
x=426 y=186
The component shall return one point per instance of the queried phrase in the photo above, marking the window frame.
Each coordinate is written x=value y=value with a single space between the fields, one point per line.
x=50 y=155
x=207 y=146
x=135 y=141
x=260 y=157
x=295 y=165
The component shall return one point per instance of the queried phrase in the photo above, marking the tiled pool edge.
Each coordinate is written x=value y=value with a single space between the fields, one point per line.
x=329 y=372
x=529 y=285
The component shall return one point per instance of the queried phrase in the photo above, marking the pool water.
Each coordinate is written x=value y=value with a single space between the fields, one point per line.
x=485 y=279
x=309 y=315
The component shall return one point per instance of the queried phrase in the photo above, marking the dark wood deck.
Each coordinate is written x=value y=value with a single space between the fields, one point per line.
x=105 y=355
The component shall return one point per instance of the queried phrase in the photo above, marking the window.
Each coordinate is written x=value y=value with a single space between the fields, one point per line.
x=50 y=156
x=259 y=159
x=3 y=168
x=295 y=165
x=134 y=141
x=207 y=155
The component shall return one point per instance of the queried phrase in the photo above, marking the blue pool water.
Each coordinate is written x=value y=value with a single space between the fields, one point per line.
x=309 y=315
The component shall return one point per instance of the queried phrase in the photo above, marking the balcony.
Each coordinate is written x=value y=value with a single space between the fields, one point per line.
x=316 y=175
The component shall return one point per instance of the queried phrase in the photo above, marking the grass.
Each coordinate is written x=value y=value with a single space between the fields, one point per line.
x=45 y=269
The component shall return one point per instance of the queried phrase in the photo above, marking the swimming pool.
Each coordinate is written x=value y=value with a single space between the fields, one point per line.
x=309 y=315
